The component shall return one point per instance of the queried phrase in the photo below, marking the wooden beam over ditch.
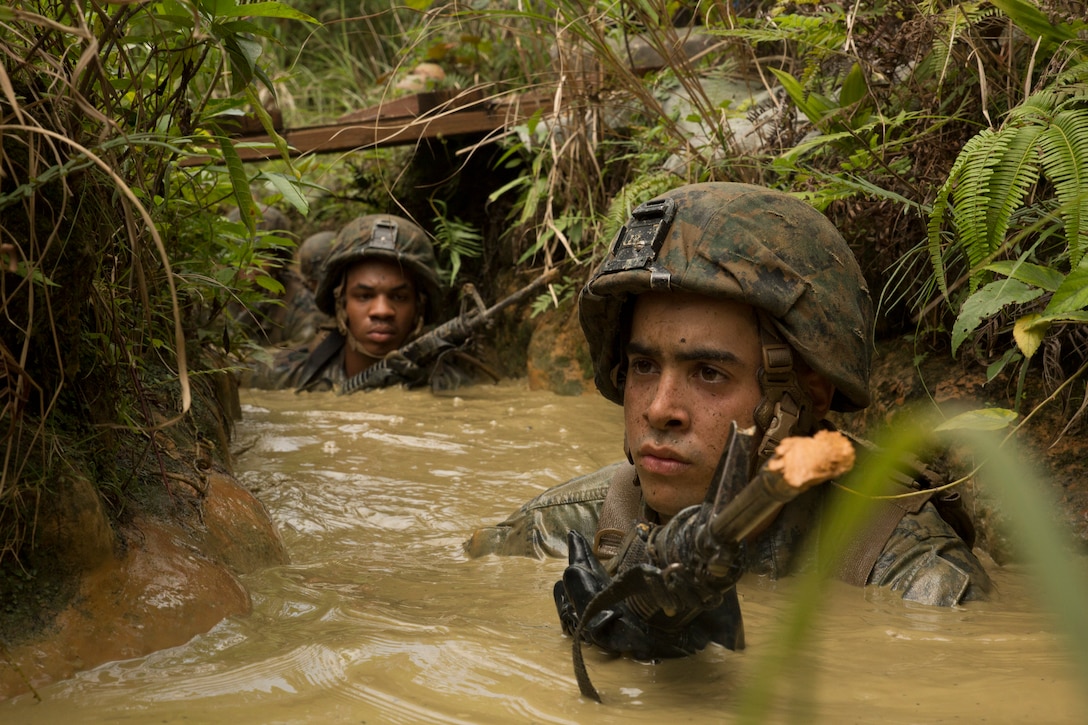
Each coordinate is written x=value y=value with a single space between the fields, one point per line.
x=402 y=121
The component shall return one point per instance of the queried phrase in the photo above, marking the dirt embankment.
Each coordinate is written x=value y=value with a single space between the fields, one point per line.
x=101 y=585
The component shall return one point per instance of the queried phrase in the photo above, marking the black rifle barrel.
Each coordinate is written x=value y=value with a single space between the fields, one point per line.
x=458 y=329
x=450 y=334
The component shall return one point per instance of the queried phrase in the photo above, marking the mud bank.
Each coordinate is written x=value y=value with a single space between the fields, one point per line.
x=99 y=590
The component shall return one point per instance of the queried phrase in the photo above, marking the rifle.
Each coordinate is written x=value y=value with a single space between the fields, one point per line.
x=797 y=465
x=411 y=360
x=689 y=565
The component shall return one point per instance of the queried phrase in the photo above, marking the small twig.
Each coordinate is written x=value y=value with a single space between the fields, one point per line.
x=201 y=488
x=19 y=671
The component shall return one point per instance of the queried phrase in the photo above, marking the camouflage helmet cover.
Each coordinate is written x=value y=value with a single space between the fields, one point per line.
x=381 y=236
x=749 y=244
x=312 y=253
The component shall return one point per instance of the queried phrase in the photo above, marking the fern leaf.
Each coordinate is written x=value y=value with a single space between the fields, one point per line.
x=971 y=193
x=941 y=211
x=1014 y=174
x=1064 y=146
x=1037 y=108
x=1072 y=75
x=958 y=19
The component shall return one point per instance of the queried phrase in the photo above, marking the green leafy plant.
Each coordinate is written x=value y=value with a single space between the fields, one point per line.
x=456 y=239
x=1044 y=138
x=1014 y=206
x=117 y=163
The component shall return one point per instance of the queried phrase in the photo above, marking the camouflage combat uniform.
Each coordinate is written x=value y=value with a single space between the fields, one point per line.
x=785 y=260
x=924 y=560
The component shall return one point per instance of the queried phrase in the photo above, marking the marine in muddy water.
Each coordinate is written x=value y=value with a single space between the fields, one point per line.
x=722 y=305
x=379 y=285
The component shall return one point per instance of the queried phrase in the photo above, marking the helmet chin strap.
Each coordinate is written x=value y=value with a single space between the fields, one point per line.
x=786 y=408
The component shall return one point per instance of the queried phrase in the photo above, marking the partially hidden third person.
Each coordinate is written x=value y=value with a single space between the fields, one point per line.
x=722 y=305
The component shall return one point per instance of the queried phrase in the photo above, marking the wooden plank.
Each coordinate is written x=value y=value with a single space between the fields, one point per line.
x=416 y=105
x=396 y=125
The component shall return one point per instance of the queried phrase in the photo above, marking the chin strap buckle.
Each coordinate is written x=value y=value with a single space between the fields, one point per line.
x=785 y=408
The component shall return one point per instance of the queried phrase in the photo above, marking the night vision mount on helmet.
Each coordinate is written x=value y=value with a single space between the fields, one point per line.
x=381 y=236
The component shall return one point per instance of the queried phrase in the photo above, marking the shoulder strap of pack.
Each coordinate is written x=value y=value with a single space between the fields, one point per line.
x=619 y=512
x=862 y=550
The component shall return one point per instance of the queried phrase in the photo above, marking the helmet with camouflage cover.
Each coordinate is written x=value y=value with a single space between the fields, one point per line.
x=311 y=256
x=381 y=236
x=752 y=245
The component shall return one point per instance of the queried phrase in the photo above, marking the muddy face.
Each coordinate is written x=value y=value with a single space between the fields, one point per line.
x=691 y=371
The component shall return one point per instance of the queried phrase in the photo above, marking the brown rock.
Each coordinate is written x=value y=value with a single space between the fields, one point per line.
x=558 y=355
x=169 y=581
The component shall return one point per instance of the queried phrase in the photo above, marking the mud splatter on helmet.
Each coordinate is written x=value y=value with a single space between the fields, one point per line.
x=752 y=245
x=381 y=236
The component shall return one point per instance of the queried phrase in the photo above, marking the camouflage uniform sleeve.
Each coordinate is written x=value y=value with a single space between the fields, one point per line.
x=275 y=373
x=539 y=528
x=926 y=562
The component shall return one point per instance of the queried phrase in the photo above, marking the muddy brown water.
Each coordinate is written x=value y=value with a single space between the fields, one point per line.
x=380 y=617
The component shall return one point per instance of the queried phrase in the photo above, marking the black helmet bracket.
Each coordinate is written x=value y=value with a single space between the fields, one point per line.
x=786 y=408
x=384 y=235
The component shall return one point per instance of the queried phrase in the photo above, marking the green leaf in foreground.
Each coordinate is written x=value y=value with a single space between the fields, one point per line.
x=986 y=302
x=981 y=419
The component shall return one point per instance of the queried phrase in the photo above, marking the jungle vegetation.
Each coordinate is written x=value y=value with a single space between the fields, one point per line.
x=947 y=140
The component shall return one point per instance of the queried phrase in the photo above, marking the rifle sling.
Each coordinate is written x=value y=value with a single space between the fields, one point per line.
x=318 y=358
x=619 y=512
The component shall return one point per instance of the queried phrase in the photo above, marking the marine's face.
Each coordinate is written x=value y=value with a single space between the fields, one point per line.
x=381 y=305
x=692 y=370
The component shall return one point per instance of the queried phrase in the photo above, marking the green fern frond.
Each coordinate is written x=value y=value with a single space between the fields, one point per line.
x=1015 y=172
x=458 y=239
x=817 y=34
x=958 y=19
x=1036 y=108
x=942 y=211
x=1075 y=74
x=970 y=194
x=1047 y=134
x=1064 y=157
